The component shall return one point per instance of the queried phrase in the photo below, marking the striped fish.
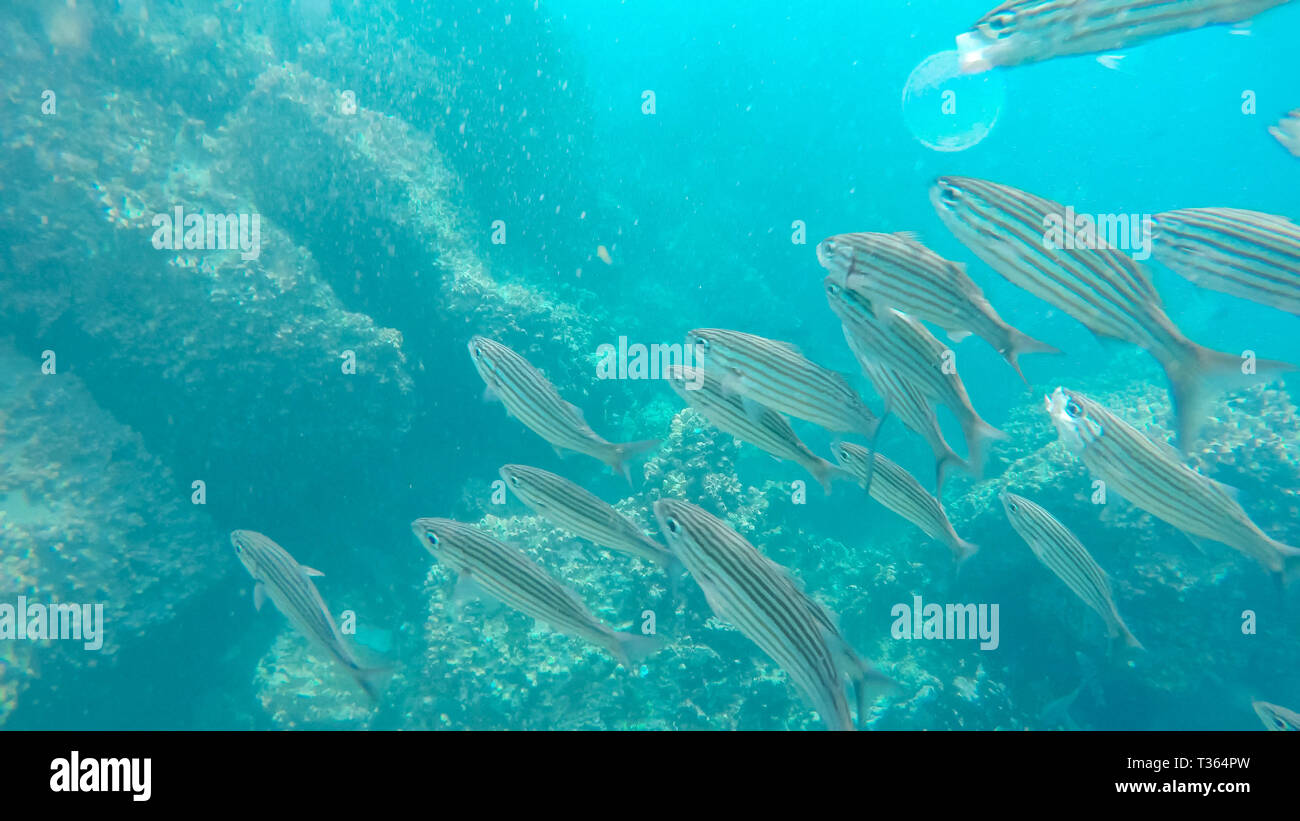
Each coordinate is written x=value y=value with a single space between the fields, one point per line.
x=905 y=346
x=1287 y=132
x=1063 y=554
x=1275 y=717
x=1030 y=31
x=1243 y=253
x=290 y=588
x=485 y=565
x=760 y=598
x=582 y=513
x=904 y=400
x=775 y=375
x=749 y=422
x=1103 y=288
x=897 y=271
x=532 y=399
x=1152 y=475
x=896 y=489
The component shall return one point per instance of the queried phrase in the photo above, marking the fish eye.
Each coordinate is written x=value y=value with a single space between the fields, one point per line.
x=478 y=352
x=514 y=480
x=433 y=538
x=702 y=342
x=1015 y=508
x=832 y=288
x=844 y=454
x=1073 y=409
x=949 y=195
x=671 y=524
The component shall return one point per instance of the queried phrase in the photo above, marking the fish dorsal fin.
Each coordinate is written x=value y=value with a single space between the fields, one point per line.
x=576 y=411
x=909 y=237
x=310 y=571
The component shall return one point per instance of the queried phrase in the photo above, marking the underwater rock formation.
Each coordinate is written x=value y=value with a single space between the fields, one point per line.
x=88 y=515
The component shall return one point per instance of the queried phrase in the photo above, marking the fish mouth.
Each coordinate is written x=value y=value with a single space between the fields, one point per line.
x=973 y=53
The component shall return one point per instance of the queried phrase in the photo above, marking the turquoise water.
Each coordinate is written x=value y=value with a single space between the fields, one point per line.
x=386 y=151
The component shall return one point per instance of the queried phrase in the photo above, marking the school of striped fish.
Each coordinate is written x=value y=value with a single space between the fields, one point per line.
x=887 y=288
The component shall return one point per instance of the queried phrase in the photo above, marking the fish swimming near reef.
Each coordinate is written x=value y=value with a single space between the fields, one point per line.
x=290 y=588
x=1275 y=717
x=1062 y=553
x=1153 y=476
x=905 y=346
x=897 y=271
x=1030 y=31
x=582 y=513
x=531 y=398
x=486 y=565
x=906 y=401
x=775 y=375
x=765 y=429
x=1102 y=287
x=1247 y=254
x=888 y=483
x=759 y=597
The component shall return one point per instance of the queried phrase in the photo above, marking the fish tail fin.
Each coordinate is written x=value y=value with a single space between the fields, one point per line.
x=623 y=453
x=869 y=684
x=372 y=679
x=945 y=459
x=1017 y=344
x=631 y=648
x=1198 y=374
x=963 y=550
x=1124 y=634
x=979 y=435
x=1290 y=565
x=825 y=472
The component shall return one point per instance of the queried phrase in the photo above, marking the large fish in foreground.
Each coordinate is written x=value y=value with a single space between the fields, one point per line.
x=1102 y=287
x=905 y=346
x=508 y=575
x=896 y=489
x=1153 y=476
x=1275 y=717
x=749 y=422
x=289 y=586
x=582 y=513
x=1246 y=254
x=532 y=399
x=760 y=598
x=897 y=271
x=1029 y=31
x=774 y=375
x=1062 y=553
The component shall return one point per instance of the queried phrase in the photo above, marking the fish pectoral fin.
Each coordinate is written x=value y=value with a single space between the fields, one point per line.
x=958 y=335
x=753 y=410
x=490 y=395
x=259 y=596
x=311 y=571
x=467 y=589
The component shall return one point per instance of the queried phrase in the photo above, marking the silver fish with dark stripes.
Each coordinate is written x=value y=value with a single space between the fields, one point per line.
x=891 y=485
x=486 y=565
x=1102 y=287
x=1152 y=475
x=1030 y=31
x=1275 y=717
x=290 y=588
x=1061 y=552
x=760 y=598
x=775 y=375
x=1247 y=254
x=898 y=271
x=531 y=398
x=582 y=513
x=903 y=399
x=748 y=421
x=905 y=346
